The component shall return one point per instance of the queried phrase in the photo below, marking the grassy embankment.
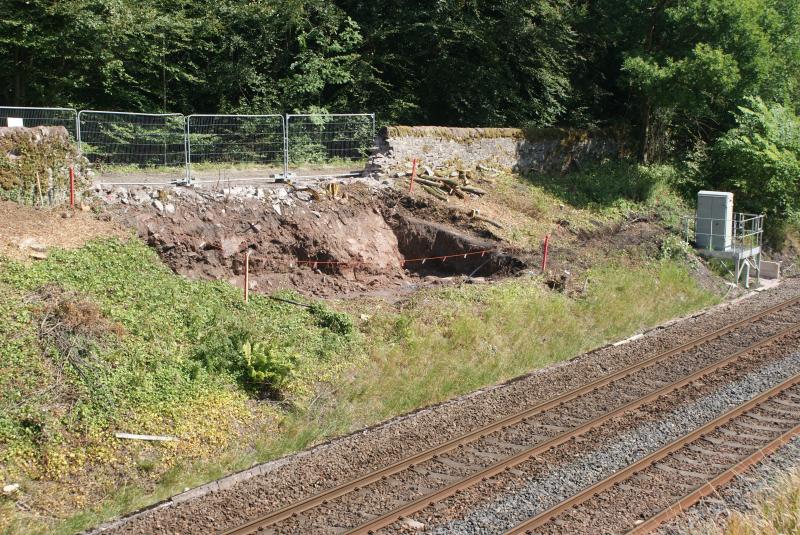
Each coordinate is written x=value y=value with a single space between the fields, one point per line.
x=167 y=356
x=776 y=513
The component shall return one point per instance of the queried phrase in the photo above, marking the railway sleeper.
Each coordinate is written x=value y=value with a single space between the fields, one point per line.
x=769 y=419
x=444 y=478
x=764 y=428
x=794 y=414
x=458 y=465
x=486 y=455
x=569 y=421
x=703 y=451
x=731 y=433
x=691 y=474
x=555 y=428
x=728 y=443
x=514 y=447
x=698 y=462
x=785 y=403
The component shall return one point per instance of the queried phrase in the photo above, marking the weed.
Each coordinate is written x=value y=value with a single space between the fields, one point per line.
x=777 y=512
x=618 y=187
x=675 y=248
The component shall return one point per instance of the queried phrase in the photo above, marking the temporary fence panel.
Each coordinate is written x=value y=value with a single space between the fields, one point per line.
x=148 y=147
x=328 y=144
x=253 y=145
x=13 y=116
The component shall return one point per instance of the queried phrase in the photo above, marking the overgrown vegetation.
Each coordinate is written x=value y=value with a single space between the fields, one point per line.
x=32 y=166
x=609 y=184
x=760 y=160
x=587 y=201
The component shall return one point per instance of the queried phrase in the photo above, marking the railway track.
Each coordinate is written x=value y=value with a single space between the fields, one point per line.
x=379 y=499
x=700 y=461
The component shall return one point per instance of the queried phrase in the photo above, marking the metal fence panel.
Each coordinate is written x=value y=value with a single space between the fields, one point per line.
x=328 y=144
x=252 y=146
x=147 y=147
x=66 y=117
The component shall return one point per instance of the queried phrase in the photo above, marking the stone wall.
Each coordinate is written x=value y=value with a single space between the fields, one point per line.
x=538 y=150
x=34 y=164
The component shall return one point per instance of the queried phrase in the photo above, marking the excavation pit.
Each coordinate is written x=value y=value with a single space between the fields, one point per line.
x=359 y=244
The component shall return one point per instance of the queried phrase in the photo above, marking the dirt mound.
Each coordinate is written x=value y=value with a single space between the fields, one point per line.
x=354 y=242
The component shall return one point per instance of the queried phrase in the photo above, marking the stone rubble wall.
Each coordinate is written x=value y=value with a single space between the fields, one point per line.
x=35 y=162
x=534 y=150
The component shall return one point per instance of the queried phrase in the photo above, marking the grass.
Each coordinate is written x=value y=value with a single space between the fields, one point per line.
x=586 y=200
x=618 y=187
x=167 y=171
x=776 y=513
x=453 y=341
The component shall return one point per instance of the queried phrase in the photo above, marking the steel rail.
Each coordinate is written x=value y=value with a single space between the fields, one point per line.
x=529 y=453
x=710 y=487
x=552 y=513
x=323 y=497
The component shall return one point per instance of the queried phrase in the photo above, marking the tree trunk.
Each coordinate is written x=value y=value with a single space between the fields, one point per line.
x=644 y=136
x=17 y=78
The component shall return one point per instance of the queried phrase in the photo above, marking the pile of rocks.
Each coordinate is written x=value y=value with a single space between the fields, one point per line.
x=164 y=199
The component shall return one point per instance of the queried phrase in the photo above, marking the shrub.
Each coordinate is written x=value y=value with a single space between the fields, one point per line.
x=268 y=367
x=759 y=160
x=336 y=322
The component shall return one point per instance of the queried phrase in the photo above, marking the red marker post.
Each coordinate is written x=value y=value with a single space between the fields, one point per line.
x=546 y=250
x=413 y=176
x=71 y=187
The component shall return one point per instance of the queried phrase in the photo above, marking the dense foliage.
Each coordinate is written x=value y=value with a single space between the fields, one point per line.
x=682 y=64
x=760 y=160
x=674 y=72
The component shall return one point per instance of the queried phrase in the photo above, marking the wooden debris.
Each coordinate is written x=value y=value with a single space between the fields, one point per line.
x=475 y=214
x=450 y=182
x=439 y=194
x=458 y=193
x=473 y=189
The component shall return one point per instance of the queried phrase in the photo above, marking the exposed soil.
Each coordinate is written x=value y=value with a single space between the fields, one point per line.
x=357 y=241
x=26 y=231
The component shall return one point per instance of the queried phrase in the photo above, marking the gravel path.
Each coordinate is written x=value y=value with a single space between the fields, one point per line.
x=542 y=493
x=234 y=500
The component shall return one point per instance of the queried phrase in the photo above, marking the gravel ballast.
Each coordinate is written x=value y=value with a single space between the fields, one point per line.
x=559 y=485
x=740 y=495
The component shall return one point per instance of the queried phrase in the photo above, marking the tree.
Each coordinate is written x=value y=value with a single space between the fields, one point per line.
x=472 y=63
x=759 y=159
x=679 y=69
